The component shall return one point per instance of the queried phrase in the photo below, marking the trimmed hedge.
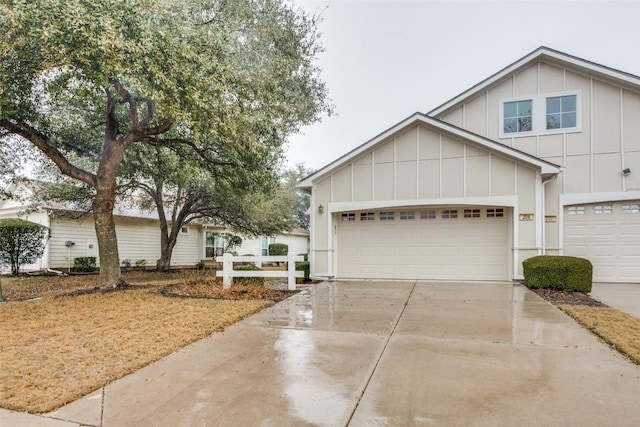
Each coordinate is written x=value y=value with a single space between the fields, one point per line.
x=276 y=249
x=558 y=272
x=84 y=264
x=303 y=266
x=248 y=280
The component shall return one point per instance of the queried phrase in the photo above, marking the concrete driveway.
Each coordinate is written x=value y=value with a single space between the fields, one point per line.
x=623 y=296
x=379 y=354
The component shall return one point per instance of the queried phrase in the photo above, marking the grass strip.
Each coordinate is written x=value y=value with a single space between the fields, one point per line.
x=56 y=350
x=616 y=328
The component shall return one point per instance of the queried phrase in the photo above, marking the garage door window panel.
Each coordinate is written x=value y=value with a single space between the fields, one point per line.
x=633 y=208
x=405 y=215
x=472 y=213
x=367 y=216
x=603 y=209
x=449 y=214
x=576 y=210
x=495 y=213
x=387 y=216
x=348 y=217
x=428 y=215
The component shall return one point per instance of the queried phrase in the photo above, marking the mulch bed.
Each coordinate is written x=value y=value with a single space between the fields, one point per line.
x=557 y=297
x=235 y=292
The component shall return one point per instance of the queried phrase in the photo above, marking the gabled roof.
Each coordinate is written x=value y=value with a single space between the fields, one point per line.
x=549 y=55
x=420 y=118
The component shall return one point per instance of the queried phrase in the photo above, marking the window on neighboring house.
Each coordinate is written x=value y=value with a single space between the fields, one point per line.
x=517 y=116
x=214 y=244
x=472 y=213
x=632 y=208
x=387 y=216
x=495 y=213
x=448 y=214
x=428 y=215
x=407 y=215
x=348 y=217
x=603 y=209
x=184 y=230
x=266 y=241
x=576 y=210
x=561 y=112
x=367 y=216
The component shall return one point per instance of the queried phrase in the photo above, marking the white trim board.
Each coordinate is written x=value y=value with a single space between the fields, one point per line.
x=440 y=126
x=542 y=53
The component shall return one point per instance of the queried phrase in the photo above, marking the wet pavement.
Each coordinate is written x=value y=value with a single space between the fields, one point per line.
x=378 y=354
x=623 y=296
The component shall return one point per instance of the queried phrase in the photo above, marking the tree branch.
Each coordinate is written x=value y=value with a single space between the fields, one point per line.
x=43 y=143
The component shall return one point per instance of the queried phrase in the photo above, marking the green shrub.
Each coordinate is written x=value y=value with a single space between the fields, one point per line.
x=21 y=242
x=276 y=249
x=558 y=272
x=303 y=266
x=141 y=263
x=84 y=264
x=248 y=280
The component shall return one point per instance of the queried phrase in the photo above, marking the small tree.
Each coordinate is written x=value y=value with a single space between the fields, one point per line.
x=21 y=242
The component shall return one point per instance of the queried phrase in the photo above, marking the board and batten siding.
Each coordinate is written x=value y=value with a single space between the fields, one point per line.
x=422 y=165
x=607 y=142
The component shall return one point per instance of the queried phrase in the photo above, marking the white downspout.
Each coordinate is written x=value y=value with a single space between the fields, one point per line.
x=544 y=212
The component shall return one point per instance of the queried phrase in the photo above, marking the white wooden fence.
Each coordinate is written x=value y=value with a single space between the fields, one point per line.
x=228 y=273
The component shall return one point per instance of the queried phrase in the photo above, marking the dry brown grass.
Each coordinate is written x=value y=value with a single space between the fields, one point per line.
x=55 y=350
x=620 y=330
x=26 y=287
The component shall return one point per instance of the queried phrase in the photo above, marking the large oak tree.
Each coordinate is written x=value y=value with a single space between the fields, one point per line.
x=93 y=78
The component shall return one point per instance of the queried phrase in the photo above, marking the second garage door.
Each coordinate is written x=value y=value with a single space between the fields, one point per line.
x=607 y=234
x=452 y=243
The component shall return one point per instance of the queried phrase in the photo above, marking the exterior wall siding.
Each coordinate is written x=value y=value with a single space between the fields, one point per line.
x=593 y=157
x=421 y=163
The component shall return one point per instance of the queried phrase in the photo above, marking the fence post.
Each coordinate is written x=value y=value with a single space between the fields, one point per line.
x=291 y=270
x=227 y=267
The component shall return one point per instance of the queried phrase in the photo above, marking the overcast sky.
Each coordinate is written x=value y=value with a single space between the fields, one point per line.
x=385 y=60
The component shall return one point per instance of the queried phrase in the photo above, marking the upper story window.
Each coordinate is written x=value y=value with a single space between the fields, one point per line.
x=407 y=215
x=184 y=230
x=561 y=112
x=548 y=113
x=517 y=116
x=386 y=216
x=367 y=216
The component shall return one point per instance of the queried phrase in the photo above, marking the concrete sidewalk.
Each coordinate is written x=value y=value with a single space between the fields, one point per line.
x=378 y=353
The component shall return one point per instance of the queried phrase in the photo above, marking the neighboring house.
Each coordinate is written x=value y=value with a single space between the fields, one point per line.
x=542 y=157
x=138 y=237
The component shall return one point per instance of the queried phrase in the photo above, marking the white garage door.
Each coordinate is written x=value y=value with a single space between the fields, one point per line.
x=609 y=236
x=445 y=243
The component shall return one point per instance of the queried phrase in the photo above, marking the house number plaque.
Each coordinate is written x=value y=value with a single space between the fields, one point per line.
x=526 y=217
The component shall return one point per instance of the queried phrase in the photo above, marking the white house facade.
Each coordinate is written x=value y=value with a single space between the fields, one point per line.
x=138 y=238
x=543 y=157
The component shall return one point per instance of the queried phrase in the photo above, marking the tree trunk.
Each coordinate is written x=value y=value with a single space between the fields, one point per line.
x=103 y=204
x=166 y=251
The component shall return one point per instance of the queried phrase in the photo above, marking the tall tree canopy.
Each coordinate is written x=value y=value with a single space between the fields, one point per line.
x=82 y=79
x=250 y=200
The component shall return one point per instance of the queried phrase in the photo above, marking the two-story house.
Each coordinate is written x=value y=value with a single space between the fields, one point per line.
x=543 y=157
